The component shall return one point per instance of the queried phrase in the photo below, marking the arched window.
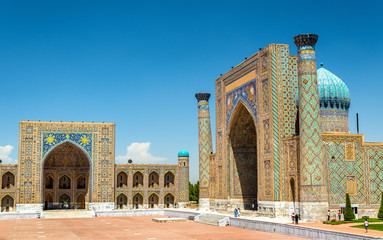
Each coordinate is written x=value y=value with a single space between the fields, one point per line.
x=169 y=180
x=8 y=180
x=154 y=179
x=81 y=184
x=49 y=182
x=122 y=180
x=138 y=180
x=64 y=182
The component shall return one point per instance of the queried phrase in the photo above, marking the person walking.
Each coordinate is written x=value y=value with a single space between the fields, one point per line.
x=339 y=214
x=292 y=217
x=366 y=225
x=235 y=212
x=296 y=218
x=328 y=215
x=239 y=212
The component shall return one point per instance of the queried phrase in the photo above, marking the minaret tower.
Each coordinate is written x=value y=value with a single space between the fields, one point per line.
x=313 y=181
x=205 y=148
x=183 y=163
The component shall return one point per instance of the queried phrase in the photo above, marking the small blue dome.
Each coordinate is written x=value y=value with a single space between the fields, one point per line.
x=183 y=153
x=333 y=92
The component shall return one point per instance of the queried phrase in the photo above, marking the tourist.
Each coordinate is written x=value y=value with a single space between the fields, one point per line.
x=239 y=212
x=328 y=215
x=339 y=214
x=366 y=225
x=292 y=218
x=296 y=218
x=235 y=212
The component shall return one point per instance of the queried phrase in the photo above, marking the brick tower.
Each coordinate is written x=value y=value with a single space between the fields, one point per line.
x=183 y=163
x=205 y=148
x=313 y=181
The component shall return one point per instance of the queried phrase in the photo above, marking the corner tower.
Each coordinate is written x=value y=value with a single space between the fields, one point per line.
x=183 y=163
x=205 y=148
x=313 y=182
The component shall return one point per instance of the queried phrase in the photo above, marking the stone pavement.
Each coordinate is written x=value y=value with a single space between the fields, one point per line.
x=141 y=227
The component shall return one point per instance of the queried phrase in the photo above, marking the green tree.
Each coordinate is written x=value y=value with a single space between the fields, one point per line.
x=348 y=213
x=194 y=192
x=380 y=213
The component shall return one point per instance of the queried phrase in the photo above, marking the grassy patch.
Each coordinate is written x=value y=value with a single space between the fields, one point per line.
x=353 y=221
x=378 y=227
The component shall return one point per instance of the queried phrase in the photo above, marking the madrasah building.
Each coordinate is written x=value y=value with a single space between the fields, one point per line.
x=283 y=143
x=72 y=165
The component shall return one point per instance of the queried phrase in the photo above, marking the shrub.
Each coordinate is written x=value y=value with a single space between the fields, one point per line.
x=348 y=213
x=380 y=213
x=333 y=220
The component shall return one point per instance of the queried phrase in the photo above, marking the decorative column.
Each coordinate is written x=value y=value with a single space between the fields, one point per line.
x=313 y=195
x=205 y=148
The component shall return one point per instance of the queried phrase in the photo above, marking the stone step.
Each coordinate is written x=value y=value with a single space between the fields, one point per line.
x=212 y=219
x=67 y=214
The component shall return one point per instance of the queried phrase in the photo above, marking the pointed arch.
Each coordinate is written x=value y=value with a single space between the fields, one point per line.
x=243 y=142
x=138 y=179
x=241 y=101
x=169 y=179
x=122 y=179
x=169 y=200
x=65 y=182
x=235 y=111
x=49 y=181
x=122 y=201
x=62 y=143
x=8 y=180
x=80 y=201
x=154 y=179
x=69 y=165
x=153 y=200
x=138 y=200
x=7 y=203
x=81 y=182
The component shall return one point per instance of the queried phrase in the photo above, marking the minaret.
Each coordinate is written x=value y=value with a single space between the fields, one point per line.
x=313 y=180
x=183 y=163
x=205 y=148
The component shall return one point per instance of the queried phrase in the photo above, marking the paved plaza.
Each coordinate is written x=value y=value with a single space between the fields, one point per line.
x=123 y=228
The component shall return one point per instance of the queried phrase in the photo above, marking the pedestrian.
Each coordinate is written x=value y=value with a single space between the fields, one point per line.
x=328 y=215
x=339 y=214
x=296 y=218
x=292 y=218
x=239 y=212
x=235 y=212
x=366 y=225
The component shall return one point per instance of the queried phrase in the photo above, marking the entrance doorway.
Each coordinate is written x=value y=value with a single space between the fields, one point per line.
x=7 y=203
x=66 y=175
x=243 y=143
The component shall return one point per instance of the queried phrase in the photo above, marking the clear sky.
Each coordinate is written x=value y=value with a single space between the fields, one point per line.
x=139 y=63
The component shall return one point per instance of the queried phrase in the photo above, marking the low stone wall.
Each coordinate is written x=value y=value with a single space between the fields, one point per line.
x=128 y=213
x=295 y=230
x=146 y=212
x=16 y=215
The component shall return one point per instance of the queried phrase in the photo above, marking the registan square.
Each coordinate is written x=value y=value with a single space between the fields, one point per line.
x=199 y=120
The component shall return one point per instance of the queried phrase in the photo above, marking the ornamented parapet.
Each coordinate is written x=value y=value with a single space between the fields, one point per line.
x=204 y=143
x=313 y=179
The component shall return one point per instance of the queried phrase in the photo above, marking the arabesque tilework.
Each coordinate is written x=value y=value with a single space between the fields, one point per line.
x=297 y=163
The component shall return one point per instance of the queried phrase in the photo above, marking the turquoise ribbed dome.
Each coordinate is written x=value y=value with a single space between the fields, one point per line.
x=333 y=92
x=183 y=153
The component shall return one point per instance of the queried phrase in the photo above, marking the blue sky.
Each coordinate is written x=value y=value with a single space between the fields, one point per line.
x=139 y=63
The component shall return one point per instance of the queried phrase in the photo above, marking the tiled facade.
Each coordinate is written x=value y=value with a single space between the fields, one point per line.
x=73 y=163
x=271 y=153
